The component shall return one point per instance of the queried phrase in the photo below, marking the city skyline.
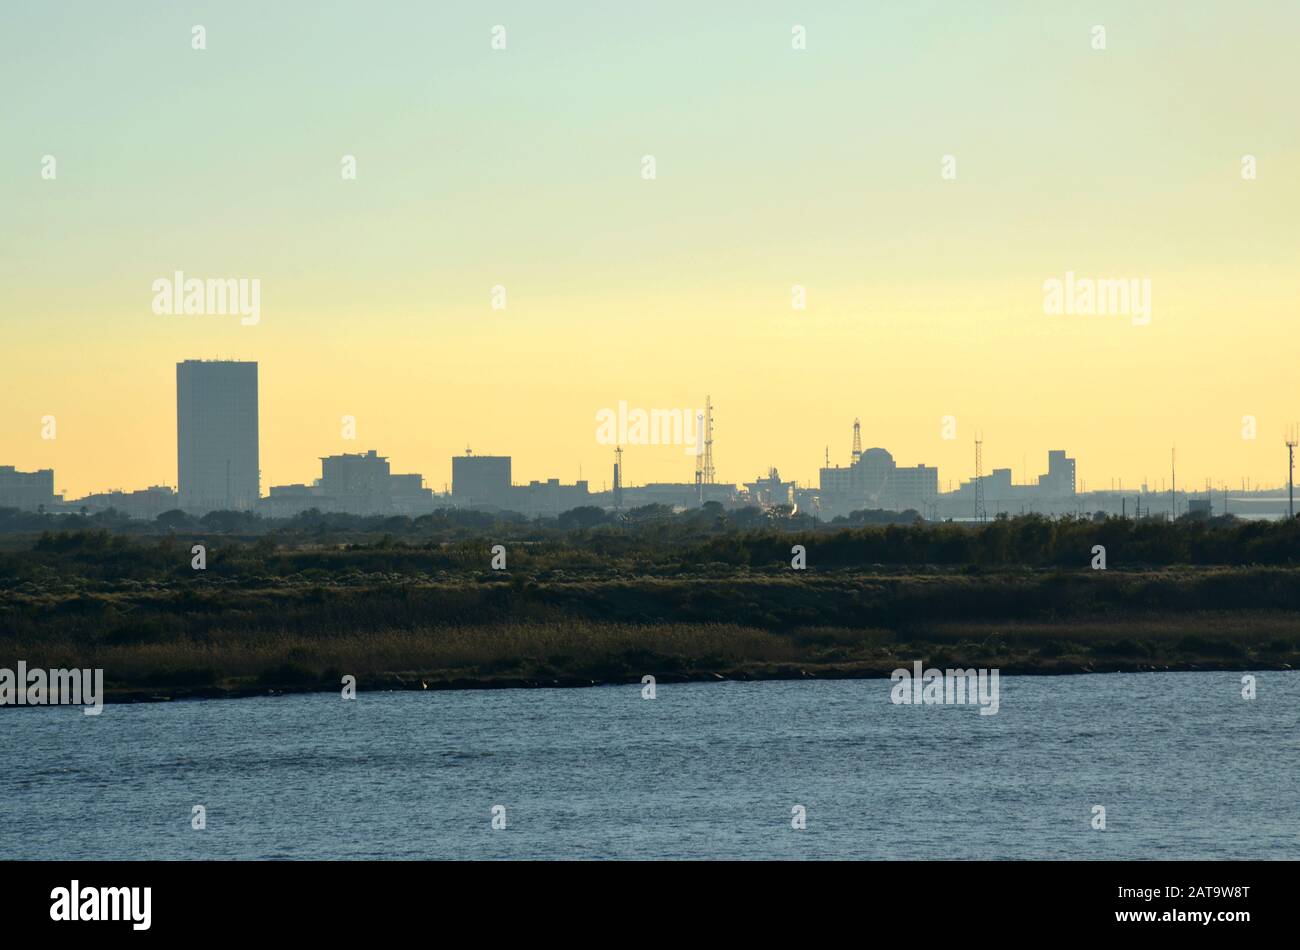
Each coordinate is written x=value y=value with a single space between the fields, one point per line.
x=218 y=424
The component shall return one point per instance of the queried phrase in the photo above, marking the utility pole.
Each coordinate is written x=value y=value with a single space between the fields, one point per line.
x=618 y=478
x=1173 y=478
x=699 y=458
x=1290 y=473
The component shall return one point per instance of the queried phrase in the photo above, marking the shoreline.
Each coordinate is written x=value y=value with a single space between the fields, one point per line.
x=415 y=682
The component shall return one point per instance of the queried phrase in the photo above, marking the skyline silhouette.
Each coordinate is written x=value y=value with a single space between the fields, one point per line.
x=218 y=446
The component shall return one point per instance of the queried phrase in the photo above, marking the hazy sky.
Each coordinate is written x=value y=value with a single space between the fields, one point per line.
x=774 y=167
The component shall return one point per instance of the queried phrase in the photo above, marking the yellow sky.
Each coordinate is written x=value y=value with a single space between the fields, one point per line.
x=819 y=167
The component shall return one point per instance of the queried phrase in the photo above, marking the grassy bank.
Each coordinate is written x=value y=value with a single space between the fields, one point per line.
x=264 y=616
x=254 y=661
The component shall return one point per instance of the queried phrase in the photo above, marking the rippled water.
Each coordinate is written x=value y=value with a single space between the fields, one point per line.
x=1183 y=765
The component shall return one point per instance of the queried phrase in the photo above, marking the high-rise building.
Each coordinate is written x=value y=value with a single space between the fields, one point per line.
x=216 y=436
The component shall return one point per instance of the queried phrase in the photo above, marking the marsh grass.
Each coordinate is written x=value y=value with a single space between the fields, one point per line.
x=603 y=652
x=526 y=650
x=613 y=608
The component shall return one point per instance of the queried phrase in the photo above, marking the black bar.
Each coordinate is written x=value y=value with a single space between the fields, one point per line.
x=661 y=900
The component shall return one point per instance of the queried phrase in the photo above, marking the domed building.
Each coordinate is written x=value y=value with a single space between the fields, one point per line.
x=874 y=480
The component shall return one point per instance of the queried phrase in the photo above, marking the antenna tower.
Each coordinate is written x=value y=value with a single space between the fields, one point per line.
x=1290 y=472
x=708 y=440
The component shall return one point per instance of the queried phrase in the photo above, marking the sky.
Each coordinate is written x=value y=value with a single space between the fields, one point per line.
x=523 y=168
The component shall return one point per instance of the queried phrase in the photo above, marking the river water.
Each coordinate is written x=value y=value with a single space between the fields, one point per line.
x=1183 y=765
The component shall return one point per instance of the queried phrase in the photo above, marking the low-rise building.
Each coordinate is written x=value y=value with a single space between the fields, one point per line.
x=144 y=505
x=876 y=481
x=354 y=484
x=28 y=491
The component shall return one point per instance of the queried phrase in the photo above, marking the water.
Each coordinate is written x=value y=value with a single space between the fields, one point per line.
x=1183 y=765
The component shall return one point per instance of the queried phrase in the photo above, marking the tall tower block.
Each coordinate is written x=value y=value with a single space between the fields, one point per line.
x=217 y=463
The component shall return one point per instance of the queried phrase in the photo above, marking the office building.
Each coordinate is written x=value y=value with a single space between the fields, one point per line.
x=876 y=481
x=217 y=436
x=27 y=491
x=353 y=484
x=1059 y=480
x=480 y=480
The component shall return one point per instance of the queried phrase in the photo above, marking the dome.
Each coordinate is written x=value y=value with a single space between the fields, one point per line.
x=879 y=456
